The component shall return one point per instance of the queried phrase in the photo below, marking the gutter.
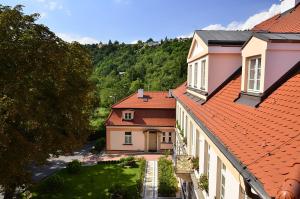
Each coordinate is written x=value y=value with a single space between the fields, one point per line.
x=247 y=175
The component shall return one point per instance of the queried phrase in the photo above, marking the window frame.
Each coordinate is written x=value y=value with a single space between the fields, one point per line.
x=190 y=74
x=195 y=75
x=170 y=137
x=164 y=137
x=222 y=182
x=257 y=72
x=128 y=138
x=203 y=74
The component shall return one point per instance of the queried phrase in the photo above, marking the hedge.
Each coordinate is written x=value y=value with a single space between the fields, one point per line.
x=167 y=182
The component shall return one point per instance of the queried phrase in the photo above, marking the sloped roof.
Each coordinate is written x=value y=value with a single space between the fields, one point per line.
x=211 y=37
x=287 y=22
x=278 y=36
x=265 y=139
x=152 y=100
x=144 y=117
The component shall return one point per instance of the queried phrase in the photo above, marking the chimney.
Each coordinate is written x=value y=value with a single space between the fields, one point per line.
x=170 y=93
x=285 y=5
x=140 y=93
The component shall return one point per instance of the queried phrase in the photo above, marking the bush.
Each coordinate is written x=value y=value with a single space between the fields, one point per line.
x=140 y=181
x=117 y=191
x=195 y=162
x=128 y=161
x=74 y=167
x=203 y=183
x=167 y=185
x=100 y=144
x=54 y=183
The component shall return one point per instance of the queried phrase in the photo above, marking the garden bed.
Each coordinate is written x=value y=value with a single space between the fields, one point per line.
x=95 y=182
x=167 y=182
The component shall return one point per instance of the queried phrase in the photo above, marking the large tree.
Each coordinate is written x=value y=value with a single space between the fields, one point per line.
x=45 y=96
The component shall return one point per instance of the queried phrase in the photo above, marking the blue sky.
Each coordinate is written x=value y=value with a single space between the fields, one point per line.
x=130 y=20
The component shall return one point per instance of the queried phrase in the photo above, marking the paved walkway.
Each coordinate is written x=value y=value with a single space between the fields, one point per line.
x=151 y=182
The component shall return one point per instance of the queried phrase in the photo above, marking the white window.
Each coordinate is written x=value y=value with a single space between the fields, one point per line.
x=186 y=125
x=128 y=138
x=195 y=75
x=163 y=137
x=190 y=75
x=128 y=116
x=208 y=161
x=202 y=79
x=170 y=137
x=223 y=174
x=254 y=74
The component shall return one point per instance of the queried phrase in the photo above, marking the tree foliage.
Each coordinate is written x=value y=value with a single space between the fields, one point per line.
x=45 y=96
x=120 y=69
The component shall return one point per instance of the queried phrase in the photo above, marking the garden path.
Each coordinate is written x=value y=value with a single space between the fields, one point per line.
x=151 y=182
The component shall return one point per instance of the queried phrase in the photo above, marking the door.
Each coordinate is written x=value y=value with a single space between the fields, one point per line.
x=152 y=141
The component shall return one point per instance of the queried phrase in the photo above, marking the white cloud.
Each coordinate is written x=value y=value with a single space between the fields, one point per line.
x=134 y=42
x=189 y=35
x=73 y=37
x=51 y=4
x=249 y=23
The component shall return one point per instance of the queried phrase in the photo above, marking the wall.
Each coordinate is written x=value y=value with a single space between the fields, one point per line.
x=233 y=177
x=115 y=138
x=279 y=59
x=220 y=67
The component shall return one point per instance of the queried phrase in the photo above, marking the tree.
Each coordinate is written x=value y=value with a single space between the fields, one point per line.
x=45 y=96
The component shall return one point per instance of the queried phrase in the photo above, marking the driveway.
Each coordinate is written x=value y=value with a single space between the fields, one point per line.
x=55 y=164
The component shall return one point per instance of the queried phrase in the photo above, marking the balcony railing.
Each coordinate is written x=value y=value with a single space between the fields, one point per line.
x=180 y=144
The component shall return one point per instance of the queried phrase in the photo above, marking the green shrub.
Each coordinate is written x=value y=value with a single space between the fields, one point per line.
x=167 y=182
x=195 y=162
x=100 y=144
x=129 y=161
x=140 y=180
x=117 y=191
x=203 y=183
x=74 y=167
x=54 y=183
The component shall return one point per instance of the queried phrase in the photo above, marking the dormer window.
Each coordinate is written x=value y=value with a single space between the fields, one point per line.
x=190 y=75
x=202 y=83
x=254 y=74
x=195 y=75
x=128 y=115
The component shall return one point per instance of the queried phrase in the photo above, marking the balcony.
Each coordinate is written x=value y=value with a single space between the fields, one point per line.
x=184 y=167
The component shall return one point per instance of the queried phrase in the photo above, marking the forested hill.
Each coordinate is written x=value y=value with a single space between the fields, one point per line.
x=120 y=69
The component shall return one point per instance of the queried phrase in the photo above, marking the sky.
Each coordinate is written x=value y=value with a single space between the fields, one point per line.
x=92 y=21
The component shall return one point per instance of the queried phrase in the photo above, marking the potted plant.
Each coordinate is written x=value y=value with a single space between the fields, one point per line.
x=203 y=182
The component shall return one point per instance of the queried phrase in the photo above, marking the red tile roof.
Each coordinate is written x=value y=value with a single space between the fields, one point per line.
x=144 y=117
x=158 y=110
x=155 y=99
x=265 y=139
x=288 y=22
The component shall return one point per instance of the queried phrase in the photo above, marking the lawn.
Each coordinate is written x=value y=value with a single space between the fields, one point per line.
x=93 y=182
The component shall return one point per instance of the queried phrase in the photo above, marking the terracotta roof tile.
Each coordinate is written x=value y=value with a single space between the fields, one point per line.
x=266 y=139
x=144 y=117
x=282 y=23
x=155 y=99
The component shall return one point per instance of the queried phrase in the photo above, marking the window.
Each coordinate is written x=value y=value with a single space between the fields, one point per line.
x=208 y=161
x=170 y=137
x=163 y=137
x=186 y=125
x=195 y=74
x=128 y=116
x=190 y=75
x=202 y=79
x=128 y=138
x=254 y=74
x=223 y=174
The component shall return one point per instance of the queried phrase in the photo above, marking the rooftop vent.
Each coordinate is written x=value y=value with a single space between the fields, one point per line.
x=140 y=93
x=288 y=4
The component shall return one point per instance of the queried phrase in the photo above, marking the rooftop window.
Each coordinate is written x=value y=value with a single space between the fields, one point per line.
x=254 y=74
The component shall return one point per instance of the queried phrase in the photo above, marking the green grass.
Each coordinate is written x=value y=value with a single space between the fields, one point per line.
x=92 y=182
